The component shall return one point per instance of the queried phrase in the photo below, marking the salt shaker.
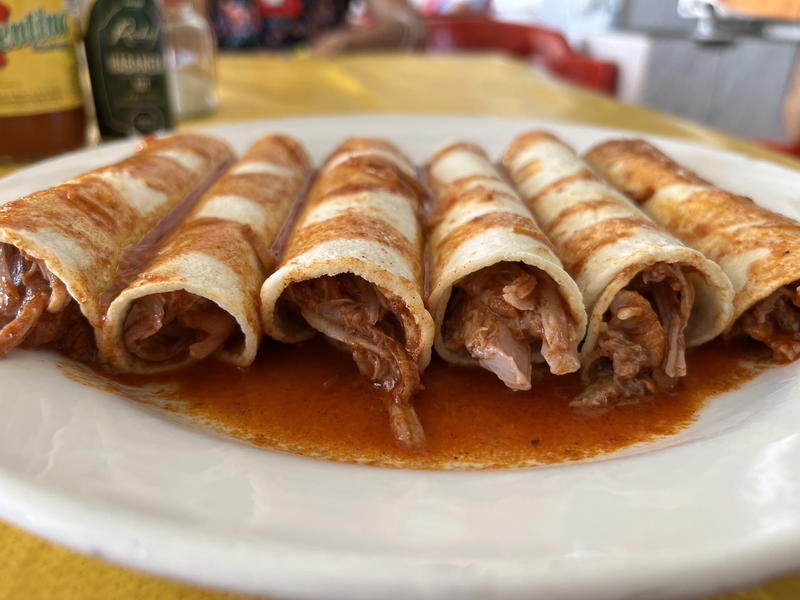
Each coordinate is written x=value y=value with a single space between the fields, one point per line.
x=190 y=53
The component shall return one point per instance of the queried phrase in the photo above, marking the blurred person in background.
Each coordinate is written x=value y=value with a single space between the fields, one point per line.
x=791 y=105
x=321 y=24
x=455 y=7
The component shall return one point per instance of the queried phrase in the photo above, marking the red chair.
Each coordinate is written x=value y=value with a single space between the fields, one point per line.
x=782 y=147
x=541 y=46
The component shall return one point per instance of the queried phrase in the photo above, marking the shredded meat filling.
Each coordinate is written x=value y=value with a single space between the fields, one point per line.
x=641 y=346
x=775 y=321
x=507 y=317
x=176 y=325
x=34 y=304
x=354 y=312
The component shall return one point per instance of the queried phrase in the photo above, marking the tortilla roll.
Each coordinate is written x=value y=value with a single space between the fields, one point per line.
x=498 y=293
x=648 y=295
x=198 y=297
x=756 y=247
x=352 y=269
x=62 y=249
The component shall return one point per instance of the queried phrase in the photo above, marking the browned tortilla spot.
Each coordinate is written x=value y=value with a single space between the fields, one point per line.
x=198 y=144
x=359 y=144
x=779 y=240
x=768 y=267
x=98 y=200
x=465 y=146
x=581 y=247
x=366 y=173
x=638 y=161
x=528 y=170
x=582 y=175
x=264 y=148
x=526 y=140
x=347 y=225
x=454 y=195
x=579 y=207
x=264 y=188
x=455 y=190
x=513 y=221
x=158 y=172
x=457 y=186
x=348 y=189
x=701 y=230
x=226 y=241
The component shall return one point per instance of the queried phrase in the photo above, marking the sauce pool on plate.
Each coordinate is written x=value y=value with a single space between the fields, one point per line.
x=309 y=399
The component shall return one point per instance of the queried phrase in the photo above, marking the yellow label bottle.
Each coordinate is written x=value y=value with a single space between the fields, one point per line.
x=41 y=105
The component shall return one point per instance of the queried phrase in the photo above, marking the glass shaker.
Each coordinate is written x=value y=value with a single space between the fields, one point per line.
x=190 y=53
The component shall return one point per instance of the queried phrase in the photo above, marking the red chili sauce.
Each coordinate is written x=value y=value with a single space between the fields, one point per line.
x=309 y=399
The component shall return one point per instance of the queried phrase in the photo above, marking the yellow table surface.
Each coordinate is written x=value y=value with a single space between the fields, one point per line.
x=259 y=86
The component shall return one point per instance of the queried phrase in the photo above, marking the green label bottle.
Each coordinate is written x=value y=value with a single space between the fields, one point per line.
x=125 y=52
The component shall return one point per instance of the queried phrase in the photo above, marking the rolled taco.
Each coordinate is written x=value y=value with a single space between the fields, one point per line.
x=756 y=247
x=198 y=296
x=64 y=248
x=648 y=295
x=352 y=270
x=498 y=293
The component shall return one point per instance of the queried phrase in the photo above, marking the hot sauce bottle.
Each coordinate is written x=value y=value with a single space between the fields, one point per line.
x=125 y=53
x=41 y=105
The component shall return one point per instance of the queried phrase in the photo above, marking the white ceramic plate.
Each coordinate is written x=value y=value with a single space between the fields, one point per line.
x=715 y=507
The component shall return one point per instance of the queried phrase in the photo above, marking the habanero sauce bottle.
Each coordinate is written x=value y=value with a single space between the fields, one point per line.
x=125 y=53
x=41 y=105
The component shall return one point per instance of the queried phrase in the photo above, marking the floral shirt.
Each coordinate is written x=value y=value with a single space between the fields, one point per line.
x=274 y=24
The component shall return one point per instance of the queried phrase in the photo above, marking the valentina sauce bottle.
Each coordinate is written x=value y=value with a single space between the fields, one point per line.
x=41 y=105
